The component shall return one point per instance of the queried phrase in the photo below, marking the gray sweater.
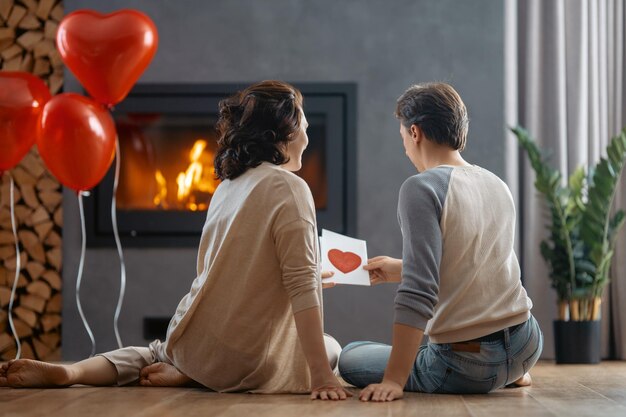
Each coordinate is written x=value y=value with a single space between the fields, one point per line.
x=460 y=274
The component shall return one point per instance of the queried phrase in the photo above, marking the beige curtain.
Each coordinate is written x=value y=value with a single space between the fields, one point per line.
x=564 y=83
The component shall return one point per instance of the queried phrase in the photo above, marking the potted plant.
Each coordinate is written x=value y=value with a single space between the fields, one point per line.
x=580 y=245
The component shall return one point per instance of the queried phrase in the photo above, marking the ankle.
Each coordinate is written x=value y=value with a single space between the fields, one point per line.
x=72 y=374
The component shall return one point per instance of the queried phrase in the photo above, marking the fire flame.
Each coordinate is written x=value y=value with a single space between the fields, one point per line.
x=161 y=198
x=198 y=177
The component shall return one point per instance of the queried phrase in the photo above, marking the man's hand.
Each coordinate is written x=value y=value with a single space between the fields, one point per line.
x=384 y=269
x=385 y=391
x=406 y=342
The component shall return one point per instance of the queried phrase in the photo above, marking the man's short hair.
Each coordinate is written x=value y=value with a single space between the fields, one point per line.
x=437 y=109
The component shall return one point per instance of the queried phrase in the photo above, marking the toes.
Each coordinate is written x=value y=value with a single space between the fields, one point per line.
x=15 y=365
x=162 y=375
x=144 y=382
x=147 y=370
x=14 y=381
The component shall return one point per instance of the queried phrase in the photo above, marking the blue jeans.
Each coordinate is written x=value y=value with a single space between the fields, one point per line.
x=444 y=368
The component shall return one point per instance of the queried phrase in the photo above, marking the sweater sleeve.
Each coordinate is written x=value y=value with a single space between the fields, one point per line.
x=419 y=213
x=296 y=248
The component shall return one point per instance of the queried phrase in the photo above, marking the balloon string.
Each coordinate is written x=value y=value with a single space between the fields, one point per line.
x=18 y=267
x=118 y=243
x=79 y=278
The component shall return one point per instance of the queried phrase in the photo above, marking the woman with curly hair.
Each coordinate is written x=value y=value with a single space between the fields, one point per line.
x=252 y=320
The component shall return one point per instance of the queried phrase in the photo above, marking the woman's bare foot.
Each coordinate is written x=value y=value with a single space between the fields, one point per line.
x=524 y=381
x=161 y=374
x=3 y=375
x=26 y=373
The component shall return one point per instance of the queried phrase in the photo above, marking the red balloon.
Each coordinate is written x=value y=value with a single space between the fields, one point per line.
x=22 y=97
x=77 y=140
x=107 y=53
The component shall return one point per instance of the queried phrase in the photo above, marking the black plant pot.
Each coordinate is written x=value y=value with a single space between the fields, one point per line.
x=577 y=341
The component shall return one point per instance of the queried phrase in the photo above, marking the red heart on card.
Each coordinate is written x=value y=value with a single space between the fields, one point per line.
x=344 y=261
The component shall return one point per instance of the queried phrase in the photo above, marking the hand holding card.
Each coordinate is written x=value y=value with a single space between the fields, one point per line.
x=344 y=256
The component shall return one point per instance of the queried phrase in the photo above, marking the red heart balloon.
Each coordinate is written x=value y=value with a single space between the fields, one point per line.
x=77 y=140
x=22 y=97
x=107 y=53
x=344 y=261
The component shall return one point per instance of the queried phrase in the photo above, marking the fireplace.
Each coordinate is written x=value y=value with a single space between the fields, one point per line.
x=168 y=140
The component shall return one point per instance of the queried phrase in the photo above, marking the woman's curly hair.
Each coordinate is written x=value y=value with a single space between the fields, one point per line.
x=255 y=125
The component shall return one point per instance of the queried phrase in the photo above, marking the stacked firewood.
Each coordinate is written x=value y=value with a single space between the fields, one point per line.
x=27 y=32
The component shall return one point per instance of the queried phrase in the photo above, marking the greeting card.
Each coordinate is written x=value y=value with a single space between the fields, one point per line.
x=345 y=256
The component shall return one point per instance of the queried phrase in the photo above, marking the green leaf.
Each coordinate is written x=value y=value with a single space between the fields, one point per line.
x=614 y=155
x=577 y=180
x=616 y=223
x=583 y=279
x=555 y=179
x=546 y=251
x=585 y=266
x=609 y=167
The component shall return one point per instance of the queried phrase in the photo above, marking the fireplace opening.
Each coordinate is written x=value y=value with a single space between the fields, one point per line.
x=168 y=142
x=167 y=162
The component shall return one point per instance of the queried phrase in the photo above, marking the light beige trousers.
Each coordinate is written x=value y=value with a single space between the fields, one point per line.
x=130 y=360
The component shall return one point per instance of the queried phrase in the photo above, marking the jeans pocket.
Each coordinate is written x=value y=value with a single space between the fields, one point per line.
x=532 y=360
x=537 y=349
x=457 y=383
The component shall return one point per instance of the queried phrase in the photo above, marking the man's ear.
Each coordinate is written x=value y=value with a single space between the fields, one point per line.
x=416 y=133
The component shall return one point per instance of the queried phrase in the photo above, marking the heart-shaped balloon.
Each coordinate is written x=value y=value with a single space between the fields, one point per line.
x=22 y=98
x=77 y=140
x=107 y=52
x=344 y=261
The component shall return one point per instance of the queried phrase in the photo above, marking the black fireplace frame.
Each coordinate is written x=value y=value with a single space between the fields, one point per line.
x=338 y=101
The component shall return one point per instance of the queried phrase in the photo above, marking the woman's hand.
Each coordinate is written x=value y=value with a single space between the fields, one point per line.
x=384 y=269
x=324 y=383
x=385 y=391
x=328 y=388
x=326 y=275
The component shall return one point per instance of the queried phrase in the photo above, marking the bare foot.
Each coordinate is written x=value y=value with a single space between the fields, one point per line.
x=3 y=375
x=161 y=374
x=524 y=381
x=26 y=373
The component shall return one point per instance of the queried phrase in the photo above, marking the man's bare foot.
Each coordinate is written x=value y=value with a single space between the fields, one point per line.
x=524 y=381
x=161 y=374
x=26 y=373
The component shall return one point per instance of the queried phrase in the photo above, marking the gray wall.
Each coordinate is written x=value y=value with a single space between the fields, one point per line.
x=384 y=46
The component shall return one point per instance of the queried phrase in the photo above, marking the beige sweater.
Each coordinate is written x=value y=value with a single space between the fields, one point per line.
x=257 y=266
x=460 y=275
